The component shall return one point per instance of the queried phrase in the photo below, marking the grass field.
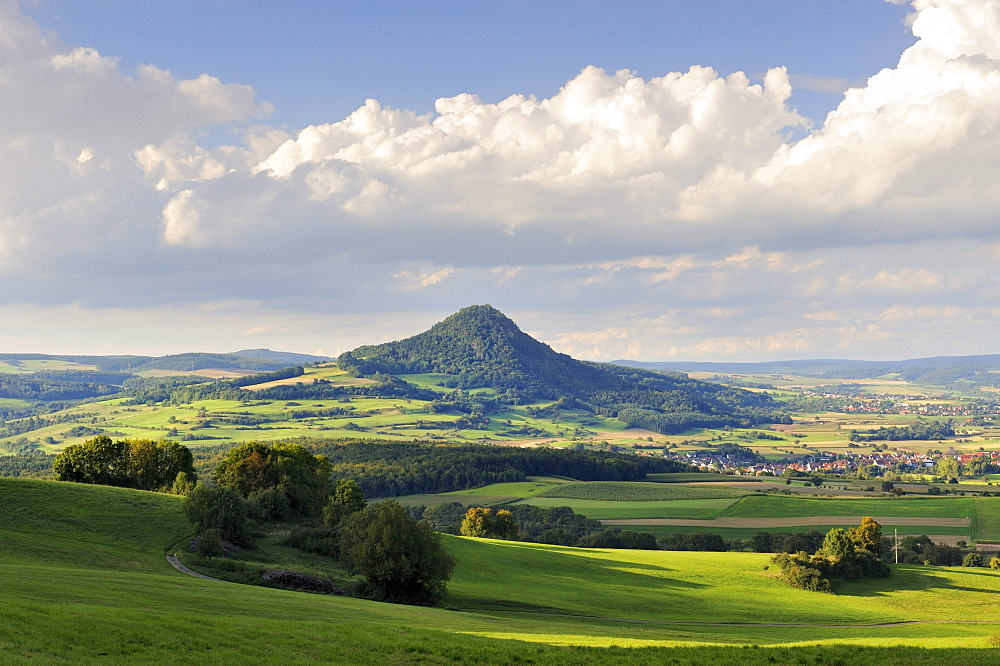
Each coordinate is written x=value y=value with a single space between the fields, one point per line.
x=779 y=506
x=986 y=519
x=605 y=510
x=66 y=599
x=732 y=513
x=630 y=491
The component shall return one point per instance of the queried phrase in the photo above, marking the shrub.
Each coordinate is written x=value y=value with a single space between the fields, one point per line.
x=995 y=563
x=972 y=560
x=806 y=578
x=320 y=540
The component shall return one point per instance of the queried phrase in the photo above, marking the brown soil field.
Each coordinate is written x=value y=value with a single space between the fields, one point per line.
x=347 y=381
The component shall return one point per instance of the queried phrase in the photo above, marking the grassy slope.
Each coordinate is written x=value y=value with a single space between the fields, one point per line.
x=74 y=602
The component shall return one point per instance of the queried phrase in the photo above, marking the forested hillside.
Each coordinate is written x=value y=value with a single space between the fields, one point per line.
x=479 y=347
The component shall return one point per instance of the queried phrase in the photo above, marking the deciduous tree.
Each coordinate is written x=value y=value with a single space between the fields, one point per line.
x=401 y=560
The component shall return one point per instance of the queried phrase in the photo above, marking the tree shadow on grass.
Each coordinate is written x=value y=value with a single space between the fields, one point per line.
x=914 y=577
x=617 y=565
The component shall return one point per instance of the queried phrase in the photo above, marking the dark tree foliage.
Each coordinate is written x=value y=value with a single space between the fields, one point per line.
x=32 y=465
x=483 y=348
x=85 y=376
x=385 y=469
x=35 y=387
x=130 y=463
x=256 y=466
x=402 y=561
x=614 y=537
x=556 y=525
x=916 y=431
x=922 y=550
x=781 y=542
x=102 y=363
x=221 y=509
x=703 y=541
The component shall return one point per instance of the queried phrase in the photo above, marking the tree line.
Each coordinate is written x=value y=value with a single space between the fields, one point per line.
x=390 y=469
x=916 y=431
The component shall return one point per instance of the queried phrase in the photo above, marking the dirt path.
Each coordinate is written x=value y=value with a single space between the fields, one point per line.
x=176 y=564
x=793 y=521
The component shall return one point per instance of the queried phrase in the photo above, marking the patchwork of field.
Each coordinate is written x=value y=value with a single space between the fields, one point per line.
x=219 y=421
x=94 y=586
x=736 y=511
x=34 y=365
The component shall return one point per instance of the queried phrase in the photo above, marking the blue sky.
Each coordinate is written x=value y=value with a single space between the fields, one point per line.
x=703 y=180
x=315 y=61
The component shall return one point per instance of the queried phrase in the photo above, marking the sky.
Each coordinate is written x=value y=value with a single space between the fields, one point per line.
x=679 y=180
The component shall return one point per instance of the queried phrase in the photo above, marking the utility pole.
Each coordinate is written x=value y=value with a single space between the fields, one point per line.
x=895 y=547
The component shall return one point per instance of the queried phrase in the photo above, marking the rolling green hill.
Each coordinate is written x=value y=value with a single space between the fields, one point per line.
x=84 y=579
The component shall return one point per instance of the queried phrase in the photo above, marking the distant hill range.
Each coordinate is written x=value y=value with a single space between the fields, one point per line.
x=479 y=347
x=250 y=360
x=982 y=370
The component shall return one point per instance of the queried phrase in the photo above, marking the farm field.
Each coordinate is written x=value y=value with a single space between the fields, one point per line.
x=213 y=421
x=548 y=604
x=218 y=421
x=734 y=512
x=34 y=365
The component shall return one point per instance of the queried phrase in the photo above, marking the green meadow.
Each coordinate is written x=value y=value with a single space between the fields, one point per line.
x=84 y=579
x=781 y=506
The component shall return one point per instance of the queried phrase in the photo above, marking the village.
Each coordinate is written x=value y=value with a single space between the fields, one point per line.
x=824 y=463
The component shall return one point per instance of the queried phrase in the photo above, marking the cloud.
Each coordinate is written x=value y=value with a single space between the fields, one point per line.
x=691 y=213
x=830 y=85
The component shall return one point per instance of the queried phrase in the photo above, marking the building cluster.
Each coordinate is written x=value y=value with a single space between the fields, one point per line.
x=824 y=463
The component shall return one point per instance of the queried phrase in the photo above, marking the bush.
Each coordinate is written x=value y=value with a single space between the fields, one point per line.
x=806 y=578
x=995 y=563
x=320 y=540
x=972 y=560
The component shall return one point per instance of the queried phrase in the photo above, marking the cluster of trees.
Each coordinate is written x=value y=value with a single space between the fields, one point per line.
x=482 y=522
x=523 y=522
x=130 y=463
x=399 y=559
x=921 y=431
x=33 y=465
x=921 y=550
x=37 y=387
x=845 y=555
x=301 y=476
x=404 y=468
x=786 y=542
